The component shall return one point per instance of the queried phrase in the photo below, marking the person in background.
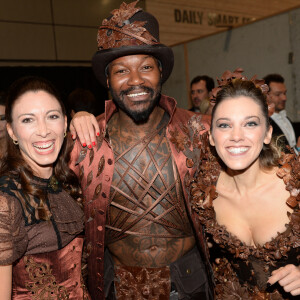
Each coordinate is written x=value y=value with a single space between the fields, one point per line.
x=282 y=126
x=2 y=124
x=81 y=100
x=41 y=217
x=201 y=87
x=246 y=194
x=139 y=231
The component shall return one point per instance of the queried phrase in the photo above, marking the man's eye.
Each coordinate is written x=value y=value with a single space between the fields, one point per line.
x=147 y=67
x=120 y=71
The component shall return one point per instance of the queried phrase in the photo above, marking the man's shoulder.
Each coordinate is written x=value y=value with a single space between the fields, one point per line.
x=110 y=109
x=101 y=120
x=183 y=115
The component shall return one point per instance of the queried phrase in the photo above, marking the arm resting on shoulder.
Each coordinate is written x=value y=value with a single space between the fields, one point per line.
x=85 y=126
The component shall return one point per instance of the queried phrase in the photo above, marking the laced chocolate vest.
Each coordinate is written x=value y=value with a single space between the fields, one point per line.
x=146 y=194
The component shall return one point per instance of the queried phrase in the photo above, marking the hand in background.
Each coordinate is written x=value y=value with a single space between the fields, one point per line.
x=288 y=277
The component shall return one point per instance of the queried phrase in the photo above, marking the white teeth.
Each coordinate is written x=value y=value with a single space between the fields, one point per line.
x=44 y=146
x=137 y=94
x=238 y=150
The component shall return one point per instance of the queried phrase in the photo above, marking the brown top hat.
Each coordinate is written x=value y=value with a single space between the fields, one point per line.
x=130 y=30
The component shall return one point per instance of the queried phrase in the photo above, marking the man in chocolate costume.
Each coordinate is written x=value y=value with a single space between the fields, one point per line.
x=140 y=232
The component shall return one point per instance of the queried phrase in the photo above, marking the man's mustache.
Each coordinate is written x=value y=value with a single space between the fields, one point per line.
x=140 y=87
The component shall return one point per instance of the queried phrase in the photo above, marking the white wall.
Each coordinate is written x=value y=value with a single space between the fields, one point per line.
x=51 y=32
x=259 y=48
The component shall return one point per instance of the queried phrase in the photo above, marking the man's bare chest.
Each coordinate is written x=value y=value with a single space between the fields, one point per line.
x=146 y=194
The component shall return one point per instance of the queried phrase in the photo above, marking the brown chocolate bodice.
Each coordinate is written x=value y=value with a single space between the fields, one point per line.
x=24 y=230
x=51 y=275
x=146 y=193
x=241 y=270
x=45 y=254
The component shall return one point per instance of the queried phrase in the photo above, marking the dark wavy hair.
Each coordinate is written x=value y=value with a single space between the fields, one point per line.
x=12 y=164
x=270 y=153
x=209 y=82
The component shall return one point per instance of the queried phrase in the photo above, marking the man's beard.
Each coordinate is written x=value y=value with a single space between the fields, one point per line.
x=138 y=116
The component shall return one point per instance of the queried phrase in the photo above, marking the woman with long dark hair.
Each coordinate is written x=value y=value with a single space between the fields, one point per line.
x=41 y=215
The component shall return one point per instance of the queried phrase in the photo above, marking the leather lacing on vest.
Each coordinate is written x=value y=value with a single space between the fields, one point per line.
x=172 y=219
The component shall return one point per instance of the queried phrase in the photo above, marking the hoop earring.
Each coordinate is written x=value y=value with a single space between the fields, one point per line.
x=65 y=134
x=15 y=142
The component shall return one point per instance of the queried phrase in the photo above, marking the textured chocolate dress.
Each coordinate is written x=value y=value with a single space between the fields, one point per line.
x=241 y=271
x=46 y=255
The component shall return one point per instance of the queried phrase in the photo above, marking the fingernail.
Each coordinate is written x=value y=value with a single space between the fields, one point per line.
x=84 y=145
x=94 y=143
x=90 y=146
x=98 y=133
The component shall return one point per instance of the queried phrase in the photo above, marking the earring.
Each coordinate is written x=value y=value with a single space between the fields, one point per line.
x=65 y=134
x=15 y=142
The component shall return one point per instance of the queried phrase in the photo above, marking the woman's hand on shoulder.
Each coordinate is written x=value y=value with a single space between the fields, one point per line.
x=85 y=126
x=288 y=277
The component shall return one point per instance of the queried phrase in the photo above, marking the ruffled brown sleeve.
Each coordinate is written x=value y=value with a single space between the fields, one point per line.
x=67 y=213
x=13 y=237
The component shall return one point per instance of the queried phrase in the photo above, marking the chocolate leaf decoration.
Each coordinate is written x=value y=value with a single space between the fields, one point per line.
x=99 y=142
x=81 y=156
x=89 y=179
x=101 y=166
x=97 y=191
x=81 y=173
x=125 y=12
x=91 y=155
x=292 y=201
x=189 y=163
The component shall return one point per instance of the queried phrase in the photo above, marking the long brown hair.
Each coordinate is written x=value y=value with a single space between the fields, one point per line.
x=13 y=164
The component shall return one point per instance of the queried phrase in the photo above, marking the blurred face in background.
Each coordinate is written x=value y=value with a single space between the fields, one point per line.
x=199 y=93
x=277 y=95
x=2 y=122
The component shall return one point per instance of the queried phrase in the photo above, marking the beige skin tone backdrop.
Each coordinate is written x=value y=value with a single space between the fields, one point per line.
x=251 y=201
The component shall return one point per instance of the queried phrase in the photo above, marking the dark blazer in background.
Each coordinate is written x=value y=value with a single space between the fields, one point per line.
x=278 y=132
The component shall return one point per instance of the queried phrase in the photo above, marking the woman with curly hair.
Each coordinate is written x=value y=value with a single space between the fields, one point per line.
x=41 y=217
x=246 y=194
